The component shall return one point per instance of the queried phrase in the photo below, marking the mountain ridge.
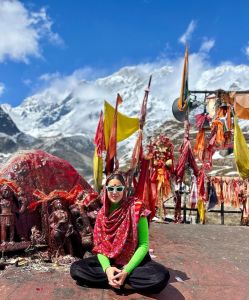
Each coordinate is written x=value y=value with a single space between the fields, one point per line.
x=63 y=119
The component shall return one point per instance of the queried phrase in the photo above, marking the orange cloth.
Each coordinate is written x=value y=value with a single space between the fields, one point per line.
x=241 y=106
x=199 y=146
x=163 y=182
x=220 y=139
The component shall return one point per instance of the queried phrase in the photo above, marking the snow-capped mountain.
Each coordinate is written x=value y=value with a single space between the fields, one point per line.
x=75 y=109
x=66 y=114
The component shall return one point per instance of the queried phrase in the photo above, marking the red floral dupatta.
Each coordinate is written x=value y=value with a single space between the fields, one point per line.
x=115 y=234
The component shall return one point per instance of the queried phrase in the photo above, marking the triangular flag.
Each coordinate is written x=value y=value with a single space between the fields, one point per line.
x=99 y=139
x=184 y=87
x=126 y=126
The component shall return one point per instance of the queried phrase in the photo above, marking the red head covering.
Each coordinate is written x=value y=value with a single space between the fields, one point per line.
x=11 y=184
x=70 y=196
x=115 y=234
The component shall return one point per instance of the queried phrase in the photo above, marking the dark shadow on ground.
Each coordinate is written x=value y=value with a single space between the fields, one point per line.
x=169 y=293
x=177 y=276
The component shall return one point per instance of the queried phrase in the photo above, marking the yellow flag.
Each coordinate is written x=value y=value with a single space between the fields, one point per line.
x=241 y=151
x=201 y=210
x=126 y=126
x=97 y=170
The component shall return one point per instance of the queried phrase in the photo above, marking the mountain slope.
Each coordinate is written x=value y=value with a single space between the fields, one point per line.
x=62 y=119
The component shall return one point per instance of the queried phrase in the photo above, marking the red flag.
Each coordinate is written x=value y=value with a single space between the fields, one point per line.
x=119 y=100
x=138 y=149
x=144 y=188
x=112 y=147
x=99 y=139
x=137 y=155
x=186 y=157
x=144 y=104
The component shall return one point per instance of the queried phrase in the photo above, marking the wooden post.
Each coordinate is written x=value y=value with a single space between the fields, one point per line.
x=184 y=210
x=161 y=212
x=222 y=213
x=197 y=217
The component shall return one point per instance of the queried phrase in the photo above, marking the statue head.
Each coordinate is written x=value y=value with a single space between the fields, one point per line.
x=5 y=203
x=57 y=204
x=5 y=191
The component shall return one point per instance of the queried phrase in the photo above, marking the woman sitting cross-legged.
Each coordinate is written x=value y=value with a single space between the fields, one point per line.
x=121 y=242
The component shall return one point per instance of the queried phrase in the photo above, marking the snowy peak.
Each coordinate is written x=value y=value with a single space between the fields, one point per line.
x=69 y=107
x=7 y=126
x=62 y=118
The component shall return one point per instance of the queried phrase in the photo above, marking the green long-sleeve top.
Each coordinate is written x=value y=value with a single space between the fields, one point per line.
x=143 y=246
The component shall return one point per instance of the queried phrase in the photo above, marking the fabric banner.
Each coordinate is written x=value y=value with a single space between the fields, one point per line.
x=184 y=86
x=99 y=139
x=97 y=170
x=201 y=210
x=126 y=126
x=241 y=106
x=241 y=151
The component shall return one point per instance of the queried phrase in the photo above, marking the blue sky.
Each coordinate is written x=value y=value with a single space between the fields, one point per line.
x=40 y=40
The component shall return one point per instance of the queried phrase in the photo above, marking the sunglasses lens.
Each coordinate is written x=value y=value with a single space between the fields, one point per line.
x=110 y=188
x=115 y=188
x=120 y=189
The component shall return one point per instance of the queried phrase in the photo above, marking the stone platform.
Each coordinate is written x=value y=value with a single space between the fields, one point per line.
x=205 y=261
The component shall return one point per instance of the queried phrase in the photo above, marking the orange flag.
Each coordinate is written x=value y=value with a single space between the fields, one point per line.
x=184 y=87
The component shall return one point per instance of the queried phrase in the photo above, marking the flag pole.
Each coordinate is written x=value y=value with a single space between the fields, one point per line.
x=138 y=145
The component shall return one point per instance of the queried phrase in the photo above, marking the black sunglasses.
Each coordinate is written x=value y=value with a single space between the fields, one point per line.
x=114 y=188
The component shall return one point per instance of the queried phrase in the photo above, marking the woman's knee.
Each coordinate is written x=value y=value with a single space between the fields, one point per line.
x=161 y=280
x=152 y=280
x=74 y=269
x=158 y=279
x=163 y=276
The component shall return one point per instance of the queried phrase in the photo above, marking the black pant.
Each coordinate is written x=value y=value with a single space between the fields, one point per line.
x=149 y=277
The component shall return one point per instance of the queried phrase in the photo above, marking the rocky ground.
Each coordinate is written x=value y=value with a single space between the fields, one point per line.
x=205 y=262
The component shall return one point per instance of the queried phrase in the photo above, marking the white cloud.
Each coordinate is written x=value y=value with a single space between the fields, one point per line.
x=246 y=50
x=2 y=88
x=49 y=76
x=188 y=33
x=86 y=73
x=166 y=80
x=21 y=31
x=58 y=86
x=207 y=45
x=43 y=25
x=84 y=98
x=27 y=82
x=81 y=82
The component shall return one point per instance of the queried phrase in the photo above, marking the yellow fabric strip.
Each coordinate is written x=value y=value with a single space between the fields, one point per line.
x=97 y=171
x=241 y=151
x=126 y=126
x=201 y=210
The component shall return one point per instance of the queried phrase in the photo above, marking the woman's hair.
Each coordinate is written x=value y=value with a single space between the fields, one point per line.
x=118 y=176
